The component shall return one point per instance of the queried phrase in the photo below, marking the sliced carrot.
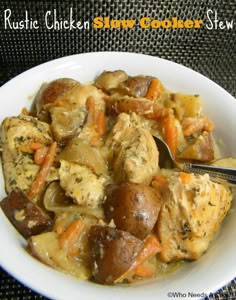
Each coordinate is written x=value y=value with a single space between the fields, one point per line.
x=143 y=271
x=208 y=126
x=35 y=145
x=101 y=123
x=185 y=177
x=155 y=90
x=41 y=177
x=40 y=154
x=24 y=111
x=159 y=183
x=150 y=248
x=158 y=113
x=192 y=125
x=90 y=104
x=157 y=186
x=171 y=134
x=69 y=237
x=161 y=179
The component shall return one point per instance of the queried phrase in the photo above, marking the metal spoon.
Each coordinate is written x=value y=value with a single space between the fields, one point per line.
x=167 y=161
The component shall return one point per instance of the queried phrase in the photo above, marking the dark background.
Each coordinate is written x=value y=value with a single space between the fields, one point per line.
x=210 y=52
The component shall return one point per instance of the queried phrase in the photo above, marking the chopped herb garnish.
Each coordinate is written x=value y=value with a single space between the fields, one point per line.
x=196 y=190
x=78 y=179
x=11 y=181
x=181 y=249
x=198 y=223
x=19 y=139
x=185 y=228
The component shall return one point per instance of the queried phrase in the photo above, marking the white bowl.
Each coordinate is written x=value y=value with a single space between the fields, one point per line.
x=212 y=271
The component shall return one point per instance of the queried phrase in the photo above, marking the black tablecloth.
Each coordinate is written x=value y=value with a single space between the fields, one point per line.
x=208 y=50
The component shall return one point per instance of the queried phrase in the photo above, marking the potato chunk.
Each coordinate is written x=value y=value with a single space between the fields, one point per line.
x=25 y=215
x=113 y=252
x=110 y=80
x=47 y=249
x=136 y=86
x=49 y=93
x=133 y=207
x=187 y=105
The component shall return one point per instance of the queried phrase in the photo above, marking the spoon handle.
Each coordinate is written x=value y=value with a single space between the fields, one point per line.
x=227 y=174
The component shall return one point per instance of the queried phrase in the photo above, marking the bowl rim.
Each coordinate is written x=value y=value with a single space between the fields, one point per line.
x=53 y=63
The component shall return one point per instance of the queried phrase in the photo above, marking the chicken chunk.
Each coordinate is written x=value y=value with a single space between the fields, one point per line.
x=81 y=184
x=192 y=212
x=69 y=111
x=135 y=155
x=17 y=133
x=66 y=123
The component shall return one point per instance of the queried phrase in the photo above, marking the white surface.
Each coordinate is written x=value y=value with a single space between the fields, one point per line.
x=215 y=269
